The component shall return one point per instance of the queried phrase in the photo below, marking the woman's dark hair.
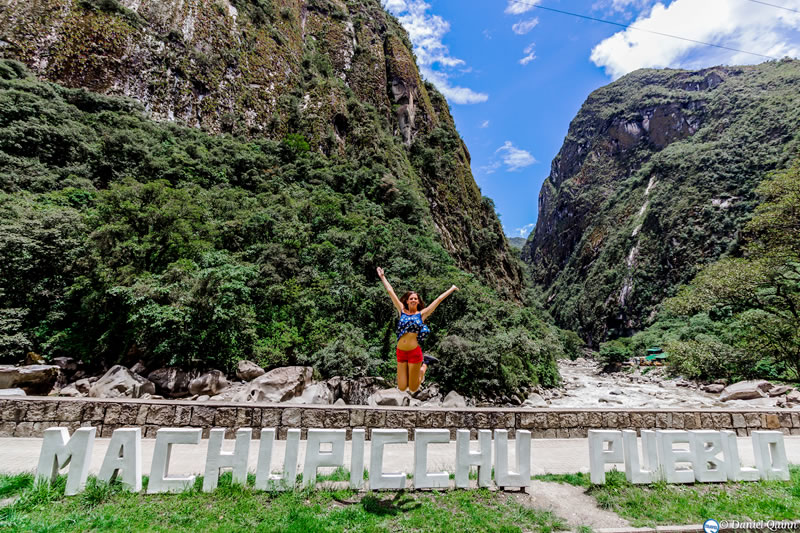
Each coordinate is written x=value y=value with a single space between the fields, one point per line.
x=404 y=300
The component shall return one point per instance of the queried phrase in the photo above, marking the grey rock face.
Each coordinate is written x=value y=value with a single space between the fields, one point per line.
x=119 y=382
x=211 y=383
x=316 y=394
x=248 y=370
x=171 y=381
x=278 y=385
x=31 y=378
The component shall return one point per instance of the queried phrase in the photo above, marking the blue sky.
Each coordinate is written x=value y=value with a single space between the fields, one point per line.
x=515 y=75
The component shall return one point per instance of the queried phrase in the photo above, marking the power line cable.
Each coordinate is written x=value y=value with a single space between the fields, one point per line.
x=632 y=27
x=774 y=5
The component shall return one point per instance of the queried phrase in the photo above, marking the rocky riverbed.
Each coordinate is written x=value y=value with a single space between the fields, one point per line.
x=585 y=385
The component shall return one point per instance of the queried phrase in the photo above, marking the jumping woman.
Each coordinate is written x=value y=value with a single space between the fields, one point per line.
x=411 y=330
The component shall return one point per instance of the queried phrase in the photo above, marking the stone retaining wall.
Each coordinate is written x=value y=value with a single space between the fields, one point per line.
x=30 y=416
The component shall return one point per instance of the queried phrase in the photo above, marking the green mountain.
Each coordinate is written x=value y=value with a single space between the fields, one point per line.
x=656 y=178
x=197 y=183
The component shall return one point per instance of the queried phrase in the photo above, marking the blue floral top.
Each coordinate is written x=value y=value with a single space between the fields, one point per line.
x=412 y=323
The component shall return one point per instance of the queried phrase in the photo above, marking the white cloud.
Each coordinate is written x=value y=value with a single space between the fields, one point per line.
x=524 y=231
x=530 y=54
x=741 y=25
x=487 y=34
x=514 y=158
x=524 y=26
x=426 y=32
x=491 y=168
x=484 y=124
x=517 y=8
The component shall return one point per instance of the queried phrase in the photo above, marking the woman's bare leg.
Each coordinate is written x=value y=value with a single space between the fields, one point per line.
x=422 y=370
x=414 y=377
x=402 y=376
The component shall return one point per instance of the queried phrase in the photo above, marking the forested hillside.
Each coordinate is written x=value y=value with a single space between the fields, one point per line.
x=249 y=219
x=657 y=177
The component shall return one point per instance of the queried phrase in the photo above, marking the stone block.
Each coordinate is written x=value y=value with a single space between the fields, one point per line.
x=578 y=433
x=7 y=429
x=794 y=431
x=481 y=420
x=455 y=419
x=281 y=433
x=374 y=418
x=706 y=421
x=553 y=421
x=202 y=416
x=270 y=418
x=431 y=419
x=401 y=419
x=636 y=420
x=677 y=421
x=244 y=417
x=292 y=417
x=314 y=418
x=550 y=433
x=691 y=421
x=610 y=420
x=537 y=434
x=149 y=432
x=796 y=420
x=663 y=420
x=356 y=417
x=337 y=418
x=648 y=420
x=753 y=420
x=722 y=420
x=183 y=416
x=255 y=417
x=742 y=432
x=568 y=420
x=502 y=420
x=562 y=433
x=161 y=415
x=225 y=417
x=141 y=416
x=771 y=421
x=13 y=412
x=96 y=412
x=24 y=429
x=786 y=419
x=107 y=431
x=70 y=411
x=122 y=414
x=532 y=420
x=738 y=420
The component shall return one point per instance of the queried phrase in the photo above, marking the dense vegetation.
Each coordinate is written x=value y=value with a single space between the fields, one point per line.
x=740 y=316
x=656 y=179
x=123 y=239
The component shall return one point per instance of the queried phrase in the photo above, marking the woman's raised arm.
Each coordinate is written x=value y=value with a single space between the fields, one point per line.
x=428 y=310
x=390 y=290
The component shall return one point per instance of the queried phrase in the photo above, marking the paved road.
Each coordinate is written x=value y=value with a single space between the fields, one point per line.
x=554 y=456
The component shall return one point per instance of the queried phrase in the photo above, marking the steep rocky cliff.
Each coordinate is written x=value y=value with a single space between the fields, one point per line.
x=318 y=68
x=655 y=178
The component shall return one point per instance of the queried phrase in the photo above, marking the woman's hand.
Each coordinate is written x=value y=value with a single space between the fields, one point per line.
x=380 y=272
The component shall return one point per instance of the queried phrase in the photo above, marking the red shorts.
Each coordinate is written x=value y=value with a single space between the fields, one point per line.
x=410 y=356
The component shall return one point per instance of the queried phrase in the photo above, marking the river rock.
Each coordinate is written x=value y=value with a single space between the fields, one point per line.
x=745 y=390
x=31 y=378
x=212 y=382
x=778 y=390
x=713 y=388
x=248 y=370
x=356 y=391
x=454 y=399
x=12 y=392
x=316 y=394
x=70 y=391
x=278 y=385
x=68 y=365
x=339 y=402
x=390 y=397
x=171 y=381
x=119 y=382
x=793 y=397
x=534 y=400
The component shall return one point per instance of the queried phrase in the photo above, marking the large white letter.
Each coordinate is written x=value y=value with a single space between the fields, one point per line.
x=264 y=479
x=377 y=479
x=668 y=456
x=466 y=458
x=647 y=472
x=422 y=478
x=502 y=475
x=598 y=456
x=58 y=450
x=357 y=459
x=707 y=466
x=216 y=459
x=315 y=457
x=770 y=455
x=736 y=472
x=124 y=453
x=159 y=470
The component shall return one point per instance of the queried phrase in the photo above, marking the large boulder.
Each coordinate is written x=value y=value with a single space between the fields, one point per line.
x=248 y=370
x=171 y=381
x=356 y=391
x=119 y=382
x=316 y=394
x=454 y=399
x=212 y=382
x=12 y=392
x=535 y=400
x=390 y=397
x=746 y=390
x=278 y=385
x=32 y=379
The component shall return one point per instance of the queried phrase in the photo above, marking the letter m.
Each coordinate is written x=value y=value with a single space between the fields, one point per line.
x=58 y=450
